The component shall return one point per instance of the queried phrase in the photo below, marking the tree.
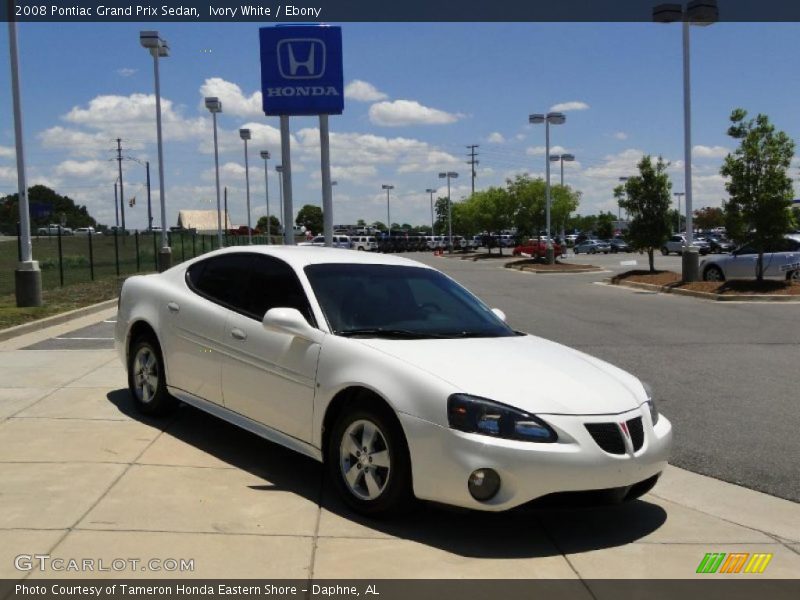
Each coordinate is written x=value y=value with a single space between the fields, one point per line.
x=361 y=223
x=491 y=210
x=604 y=227
x=709 y=217
x=759 y=187
x=311 y=217
x=275 y=225
x=677 y=220
x=46 y=206
x=440 y=210
x=647 y=202
x=379 y=225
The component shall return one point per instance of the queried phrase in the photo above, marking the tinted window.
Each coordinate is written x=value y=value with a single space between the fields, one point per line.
x=222 y=279
x=384 y=300
x=274 y=284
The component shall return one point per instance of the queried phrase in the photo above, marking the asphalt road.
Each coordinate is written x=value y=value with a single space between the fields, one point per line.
x=726 y=374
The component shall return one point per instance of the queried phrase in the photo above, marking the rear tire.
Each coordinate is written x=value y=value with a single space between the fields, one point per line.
x=664 y=251
x=713 y=273
x=368 y=461
x=793 y=276
x=146 y=380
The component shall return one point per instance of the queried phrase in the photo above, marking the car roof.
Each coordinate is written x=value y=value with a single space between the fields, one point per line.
x=302 y=256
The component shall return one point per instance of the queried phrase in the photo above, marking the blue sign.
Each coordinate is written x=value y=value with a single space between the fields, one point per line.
x=301 y=70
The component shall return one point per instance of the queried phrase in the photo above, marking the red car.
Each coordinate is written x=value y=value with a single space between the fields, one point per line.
x=535 y=248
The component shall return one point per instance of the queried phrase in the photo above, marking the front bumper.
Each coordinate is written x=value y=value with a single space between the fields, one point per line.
x=443 y=459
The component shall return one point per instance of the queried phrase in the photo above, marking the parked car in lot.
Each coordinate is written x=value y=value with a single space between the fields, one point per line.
x=85 y=231
x=718 y=244
x=364 y=243
x=677 y=242
x=592 y=247
x=53 y=229
x=339 y=241
x=411 y=390
x=535 y=248
x=781 y=262
x=618 y=245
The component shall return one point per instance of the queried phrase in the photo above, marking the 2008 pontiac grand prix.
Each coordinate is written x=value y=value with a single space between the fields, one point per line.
x=396 y=377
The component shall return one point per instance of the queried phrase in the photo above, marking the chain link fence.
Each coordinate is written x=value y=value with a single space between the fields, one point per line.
x=68 y=259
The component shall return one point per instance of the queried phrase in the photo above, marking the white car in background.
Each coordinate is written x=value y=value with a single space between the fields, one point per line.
x=394 y=376
x=783 y=262
x=366 y=243
x=339 y=241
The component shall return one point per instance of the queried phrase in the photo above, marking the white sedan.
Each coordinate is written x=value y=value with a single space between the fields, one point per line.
x=783 y=262
x=397 y=378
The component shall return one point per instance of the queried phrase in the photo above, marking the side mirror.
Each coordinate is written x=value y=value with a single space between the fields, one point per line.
x=290 y=321
x=499 y=314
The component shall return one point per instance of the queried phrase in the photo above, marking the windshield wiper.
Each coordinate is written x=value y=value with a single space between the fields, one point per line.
x=388 y=332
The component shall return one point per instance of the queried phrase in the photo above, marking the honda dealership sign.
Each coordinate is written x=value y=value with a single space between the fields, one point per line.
x=301 y=70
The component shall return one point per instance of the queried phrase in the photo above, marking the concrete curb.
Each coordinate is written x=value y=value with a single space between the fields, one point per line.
x=11 y=332
x=704 y=295
x=527 y=269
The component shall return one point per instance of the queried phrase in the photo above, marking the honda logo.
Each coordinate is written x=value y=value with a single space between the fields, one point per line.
x=301 y=58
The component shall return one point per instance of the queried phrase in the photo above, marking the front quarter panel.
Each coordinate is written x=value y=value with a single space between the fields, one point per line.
x=346 y=362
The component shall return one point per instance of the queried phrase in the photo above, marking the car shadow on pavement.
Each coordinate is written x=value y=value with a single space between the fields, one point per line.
x=533 y=530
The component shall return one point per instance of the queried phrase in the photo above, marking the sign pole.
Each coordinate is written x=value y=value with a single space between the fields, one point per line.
x=327 y=190
x=286 y=159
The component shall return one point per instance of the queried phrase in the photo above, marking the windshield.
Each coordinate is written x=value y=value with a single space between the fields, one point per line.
x=399 y=302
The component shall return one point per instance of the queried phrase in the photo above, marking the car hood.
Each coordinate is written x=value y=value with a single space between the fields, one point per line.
x=527 y=372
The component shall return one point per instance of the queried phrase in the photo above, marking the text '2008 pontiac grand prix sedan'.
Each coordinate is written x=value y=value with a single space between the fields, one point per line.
x=400 y=380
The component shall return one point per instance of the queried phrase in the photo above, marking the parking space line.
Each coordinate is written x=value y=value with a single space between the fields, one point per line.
x=83 y=338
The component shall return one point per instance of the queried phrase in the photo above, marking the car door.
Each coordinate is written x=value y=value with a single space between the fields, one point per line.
x=269 y=376
x=196 y=320
x=741 y=264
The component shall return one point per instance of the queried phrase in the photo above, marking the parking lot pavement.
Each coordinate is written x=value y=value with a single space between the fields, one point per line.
x=85 y=476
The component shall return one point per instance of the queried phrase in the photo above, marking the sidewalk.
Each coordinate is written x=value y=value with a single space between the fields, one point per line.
x=84 y=476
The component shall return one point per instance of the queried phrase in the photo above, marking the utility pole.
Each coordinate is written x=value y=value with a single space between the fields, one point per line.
x=121 y=193
x=472 y=162
x=149 y=206
x=116 y=204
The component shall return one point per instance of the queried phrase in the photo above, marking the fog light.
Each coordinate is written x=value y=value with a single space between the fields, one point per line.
x=484 y=484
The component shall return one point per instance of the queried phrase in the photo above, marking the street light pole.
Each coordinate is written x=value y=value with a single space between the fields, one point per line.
x=159 y=49
x=431 y=192
x=678 y=226
x=698 y=12
x=556 y=118
x=266 y=156
x=27 y=276
x=449 y=175
x=245 y=135
x=279 y=171
x=214 y=105
x=388 y=211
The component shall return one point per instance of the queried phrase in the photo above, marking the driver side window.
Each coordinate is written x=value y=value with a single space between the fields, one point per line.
x=274 y=284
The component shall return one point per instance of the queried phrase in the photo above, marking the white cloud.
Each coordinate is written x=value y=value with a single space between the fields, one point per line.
x=126 y=72
x=88 y=169
x=615 y=166
x=496 y=138
x=363 y=91
x=129 y=116
x=234 y=101
x=710 y=151
x=80 y=143
x=540 y=150
x=567 y=106
x=7 y=152
x=620 y=135
x=408 y=112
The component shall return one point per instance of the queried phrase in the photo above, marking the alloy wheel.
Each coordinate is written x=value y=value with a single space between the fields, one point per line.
x=145 y=374
x=364 y=460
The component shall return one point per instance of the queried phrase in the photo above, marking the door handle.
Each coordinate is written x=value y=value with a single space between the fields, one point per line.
x=238 y=334
x=173 y=307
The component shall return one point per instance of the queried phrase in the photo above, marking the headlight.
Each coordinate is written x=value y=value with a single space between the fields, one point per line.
x=479 y=415
x=651 y=403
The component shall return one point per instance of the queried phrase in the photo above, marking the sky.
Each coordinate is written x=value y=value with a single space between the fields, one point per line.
x=416 y=95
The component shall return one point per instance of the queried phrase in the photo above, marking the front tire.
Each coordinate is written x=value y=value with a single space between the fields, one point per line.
x=146 y=380
x=368 y=461
x=793 y=276
x=664 y=251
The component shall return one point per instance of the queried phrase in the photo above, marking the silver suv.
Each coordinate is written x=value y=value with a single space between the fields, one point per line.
x=676 y=244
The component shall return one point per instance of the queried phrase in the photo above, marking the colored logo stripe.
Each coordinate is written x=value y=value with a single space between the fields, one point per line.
x=714 y=562
x=758 y=563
